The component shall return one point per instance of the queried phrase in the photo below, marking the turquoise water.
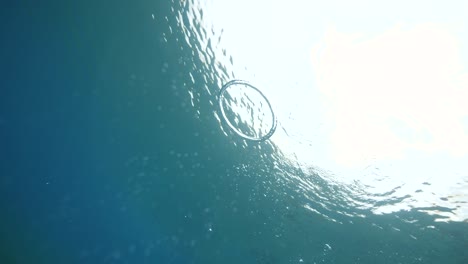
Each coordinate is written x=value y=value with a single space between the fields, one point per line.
x=114 y=151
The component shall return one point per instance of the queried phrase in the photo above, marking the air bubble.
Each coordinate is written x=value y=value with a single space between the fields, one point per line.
x=247 y=112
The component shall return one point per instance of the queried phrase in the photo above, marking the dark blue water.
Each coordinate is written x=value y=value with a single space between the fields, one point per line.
x=112 y=152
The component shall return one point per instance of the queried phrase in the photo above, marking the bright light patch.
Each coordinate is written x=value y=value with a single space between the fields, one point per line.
x=400 y=90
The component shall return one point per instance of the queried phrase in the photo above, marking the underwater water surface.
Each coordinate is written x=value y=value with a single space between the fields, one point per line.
x=115 y=148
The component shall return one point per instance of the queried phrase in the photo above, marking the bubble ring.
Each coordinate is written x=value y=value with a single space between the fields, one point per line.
x=221 y=107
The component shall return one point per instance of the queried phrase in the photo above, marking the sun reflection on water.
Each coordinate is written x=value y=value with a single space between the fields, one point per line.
x=377 y=108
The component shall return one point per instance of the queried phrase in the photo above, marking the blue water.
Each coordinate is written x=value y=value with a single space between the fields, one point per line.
x=112 y=152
